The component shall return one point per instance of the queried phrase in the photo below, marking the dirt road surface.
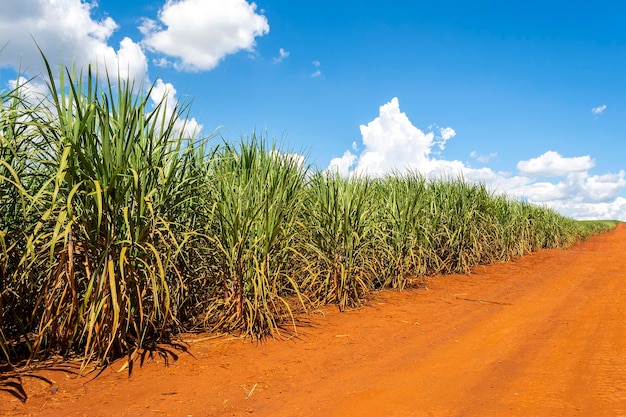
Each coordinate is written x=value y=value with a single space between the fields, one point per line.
x=544 y=335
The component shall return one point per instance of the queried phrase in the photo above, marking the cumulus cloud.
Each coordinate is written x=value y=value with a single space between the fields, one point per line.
x=613 y=210
x=343 y=164
x=165 y=94
x=599 y=188
x=575 y=194
x=197 y=34
x=391 y=143
x=68 y=33
x=580 y=195
x=65 y=30
x=552 y=164
x=599 y=109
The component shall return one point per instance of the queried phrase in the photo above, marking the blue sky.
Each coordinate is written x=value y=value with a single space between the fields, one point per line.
x=528 y=97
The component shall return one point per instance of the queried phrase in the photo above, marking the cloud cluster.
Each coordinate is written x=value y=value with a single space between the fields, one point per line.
x=65 y=30
x=193 y=35
x=392 y=143
x=196 y=34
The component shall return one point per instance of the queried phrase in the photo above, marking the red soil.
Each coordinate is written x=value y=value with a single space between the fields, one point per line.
x=542 y=336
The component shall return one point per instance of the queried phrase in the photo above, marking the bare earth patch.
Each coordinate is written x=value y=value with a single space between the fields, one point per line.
x=542 y=336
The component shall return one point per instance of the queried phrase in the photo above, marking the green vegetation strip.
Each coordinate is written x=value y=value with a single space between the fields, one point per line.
x=118 y=232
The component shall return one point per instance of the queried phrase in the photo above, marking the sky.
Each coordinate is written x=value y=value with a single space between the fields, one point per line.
x=528 y=97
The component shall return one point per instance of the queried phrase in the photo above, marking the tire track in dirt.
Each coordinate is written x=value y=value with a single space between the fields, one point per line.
x=542 y=336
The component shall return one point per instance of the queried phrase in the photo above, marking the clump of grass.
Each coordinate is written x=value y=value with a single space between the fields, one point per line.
x=257 y=193
x=339 y=226
x=401 y=239
x=108 y=208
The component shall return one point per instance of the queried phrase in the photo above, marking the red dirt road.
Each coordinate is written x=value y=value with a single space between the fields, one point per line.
x=542 y=336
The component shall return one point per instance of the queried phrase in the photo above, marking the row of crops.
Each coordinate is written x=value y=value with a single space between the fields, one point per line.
x=117 y=232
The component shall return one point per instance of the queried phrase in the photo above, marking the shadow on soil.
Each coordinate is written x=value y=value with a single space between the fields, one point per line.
x=11 y=382
x=12 y=378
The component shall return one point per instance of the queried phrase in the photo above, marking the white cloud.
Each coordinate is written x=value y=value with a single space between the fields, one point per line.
x=599 y=109
x=343 y=164
x=66 y=31
x=613 y=210
x=392 y=143
x=166 y=93
x=600 y=188
x=575 y=194
x=446 y=133
x=483 y=159
x=31 y=90
x=282 y=54
x=197 y=34
x=541 y=192
x=552 y=164
x=290 y=157
x=317 y=71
